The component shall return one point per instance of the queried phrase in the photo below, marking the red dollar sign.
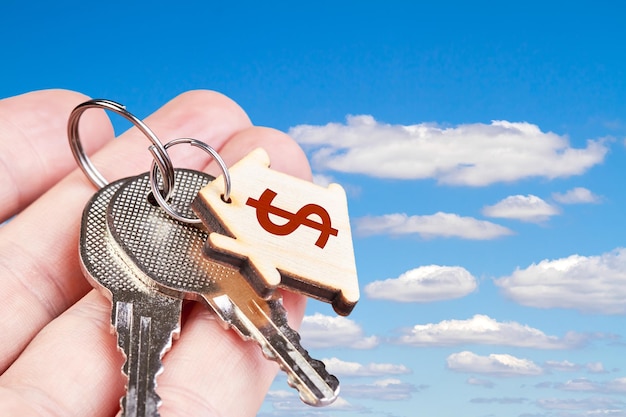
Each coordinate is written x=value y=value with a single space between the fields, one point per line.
x=264 y=207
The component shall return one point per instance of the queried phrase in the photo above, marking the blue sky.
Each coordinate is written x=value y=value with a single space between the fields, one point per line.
x=482 y=149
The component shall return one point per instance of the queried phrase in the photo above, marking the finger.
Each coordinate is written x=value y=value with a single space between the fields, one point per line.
x=285 y=155
x=72 y=368
x=39 y=248
x=34 y=151
x=211 y=371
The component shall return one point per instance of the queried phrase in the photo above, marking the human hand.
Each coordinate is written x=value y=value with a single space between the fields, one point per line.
x=57 y=354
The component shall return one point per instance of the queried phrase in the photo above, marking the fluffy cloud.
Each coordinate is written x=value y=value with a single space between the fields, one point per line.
x=482 y=329
x=590 y=284
x=323 y=180
x=390 y=389
x=424 y=284
x=613 y=386
x=494 y=364
x=480 y=382
x=577 y=195
x=469 y=154
x=567 y=366
x=341 y=368
x=596 y=368
x=529 y=208
x=562 y=366
x=430 y=226
x=320 y=331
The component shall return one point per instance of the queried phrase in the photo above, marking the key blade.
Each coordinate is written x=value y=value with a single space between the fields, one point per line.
x=144 y=320
x=266 y=324
x=144 y=337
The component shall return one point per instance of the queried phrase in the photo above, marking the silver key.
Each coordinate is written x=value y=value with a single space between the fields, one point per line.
x=144 y=319
x=171 y=254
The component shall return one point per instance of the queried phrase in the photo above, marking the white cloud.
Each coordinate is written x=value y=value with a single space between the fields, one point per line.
x=320 y=331
x=529 y=208
x=567 y=366
x=594 y=284
x=613 y=386
x=578 y=195
x=562 y=366
x=480 y=382
x=469 y=154
x=323 y=180
x=424 y=284
x=482 y=329
x=595 y=368
x=389 y=389
x=494 y=364
x=338 y=367
x=430 y=226
x=600 y=406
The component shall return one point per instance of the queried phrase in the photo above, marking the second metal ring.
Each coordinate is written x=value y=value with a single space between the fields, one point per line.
x=154 y=185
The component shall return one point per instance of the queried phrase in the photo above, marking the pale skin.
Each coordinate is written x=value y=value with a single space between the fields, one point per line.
x=58 y=356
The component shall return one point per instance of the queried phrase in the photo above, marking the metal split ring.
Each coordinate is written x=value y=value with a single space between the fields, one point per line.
x=161 y=158
x=162 y=200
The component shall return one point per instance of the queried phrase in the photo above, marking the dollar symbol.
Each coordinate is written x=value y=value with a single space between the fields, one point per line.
x=264 y=208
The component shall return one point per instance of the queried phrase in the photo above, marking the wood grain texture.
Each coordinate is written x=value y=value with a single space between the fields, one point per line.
x=282 y=231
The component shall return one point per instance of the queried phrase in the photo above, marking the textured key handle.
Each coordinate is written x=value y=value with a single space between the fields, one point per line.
x=169 y=253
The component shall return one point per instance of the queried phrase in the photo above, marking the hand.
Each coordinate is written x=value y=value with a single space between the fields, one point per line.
x=57 y=354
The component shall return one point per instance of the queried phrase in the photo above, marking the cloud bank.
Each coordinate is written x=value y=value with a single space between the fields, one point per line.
x=468 y=154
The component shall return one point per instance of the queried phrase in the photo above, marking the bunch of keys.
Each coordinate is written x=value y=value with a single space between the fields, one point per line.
x=149 y=242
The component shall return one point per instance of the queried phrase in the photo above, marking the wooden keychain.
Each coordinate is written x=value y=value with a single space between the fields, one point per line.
x=282 y=231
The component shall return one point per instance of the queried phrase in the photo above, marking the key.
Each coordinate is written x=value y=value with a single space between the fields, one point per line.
x=171 y=254
x=144 y=319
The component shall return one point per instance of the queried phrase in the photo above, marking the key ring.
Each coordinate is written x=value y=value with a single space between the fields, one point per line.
x=154 y=185
x=161 y=158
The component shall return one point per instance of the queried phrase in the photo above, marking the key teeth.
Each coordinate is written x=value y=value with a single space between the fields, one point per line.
x=332 y=382
x=133 y=332
x=279 y=319
x=153 y=402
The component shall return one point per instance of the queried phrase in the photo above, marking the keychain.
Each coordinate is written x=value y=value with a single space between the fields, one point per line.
x=148 y=254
